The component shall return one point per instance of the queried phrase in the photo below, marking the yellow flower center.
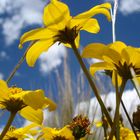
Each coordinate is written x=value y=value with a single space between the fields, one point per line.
x=13 y=104
x=15 y=90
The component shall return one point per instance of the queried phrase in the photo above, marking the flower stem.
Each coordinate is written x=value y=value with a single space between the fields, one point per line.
x=129 y=120
x=92 y=84
x=137 y=88
x=19 y=63
x=116 y=116
x=10 y=120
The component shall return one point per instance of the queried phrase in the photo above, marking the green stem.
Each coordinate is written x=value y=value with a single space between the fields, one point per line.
x=92 y=84
x=136 y=87
x=19 y=63
x=124 y=108
x=104 y=127
x=10 y=120
x=117 y=108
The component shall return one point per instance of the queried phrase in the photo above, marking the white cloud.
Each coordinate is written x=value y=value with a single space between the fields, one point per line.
x=130 y=99
x=3 y=55
x=19 y=13
x=52 y=58
x=1 y=75
x=128 y=6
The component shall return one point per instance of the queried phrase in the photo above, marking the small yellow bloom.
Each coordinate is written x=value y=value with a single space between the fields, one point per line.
x=27 y=103
x=19 y=133
x=60 y=26
x=57 y=134
x=114 y=57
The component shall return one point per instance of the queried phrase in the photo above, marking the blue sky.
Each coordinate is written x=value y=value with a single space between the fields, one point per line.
x=19 y=16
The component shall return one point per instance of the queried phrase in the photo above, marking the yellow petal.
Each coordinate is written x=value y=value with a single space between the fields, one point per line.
x=88 y=24
x=99 y=9
x=94 y=50
x=77 y=40
x=50 y=104
x=102 y=52
x=37 y=34
x=34 y=99
x=32 y=115
x=100 y=66
x=117 y=46
x=56 y=13
x=36 y=49
x=132 y=56
x=91 y=26
x=26 y=129
x=119 y=78
x=3 y=89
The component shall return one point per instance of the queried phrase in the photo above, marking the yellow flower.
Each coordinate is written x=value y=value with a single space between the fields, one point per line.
x=114 y=57
x=57 y=134
x=127 y=134
x=60 y=26
x=19 y=133
x=27 y=103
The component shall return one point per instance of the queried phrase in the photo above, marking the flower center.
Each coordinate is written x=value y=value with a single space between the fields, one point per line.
x=15 y=90
x=67 y=35
x=59 y=138
x=80 y=126
x=124 y=70
x=13 y=104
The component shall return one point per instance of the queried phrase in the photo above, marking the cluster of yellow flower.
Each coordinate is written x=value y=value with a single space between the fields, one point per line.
x=120 y=62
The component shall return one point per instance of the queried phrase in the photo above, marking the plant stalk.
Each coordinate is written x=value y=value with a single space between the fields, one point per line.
x=9 y=122
x=92 y=84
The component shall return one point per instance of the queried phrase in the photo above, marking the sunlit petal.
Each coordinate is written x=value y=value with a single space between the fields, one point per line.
x=100 y=66
x=37 y=34
x=56 y=13
x=36 y=49
x=35 y=99
x=32 y=115
x=100 y=51
x=118 y=46
x=119 y=78
x=3 y=90
x=99 y=9
x=51 y=104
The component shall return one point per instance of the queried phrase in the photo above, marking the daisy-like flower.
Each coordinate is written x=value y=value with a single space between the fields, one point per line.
x=80 y=126
x=57 y=134
x=60 y=26
x=29 y=104
x=114 y=57
x=20 y=133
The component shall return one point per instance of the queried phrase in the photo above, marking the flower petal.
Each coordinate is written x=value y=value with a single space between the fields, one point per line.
x=37 y=34
x=99 y=9
x=100 y=66
x=36 y=49
x=101 y=51
x=132 y=56
x=56 y=13
x=32 y=115
x=119 y=78
x=34 y=99
x=50 y=104
x=118 y=46
x=91 y=26
x=88 y=24
x=3 y=90
x=94 y=50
